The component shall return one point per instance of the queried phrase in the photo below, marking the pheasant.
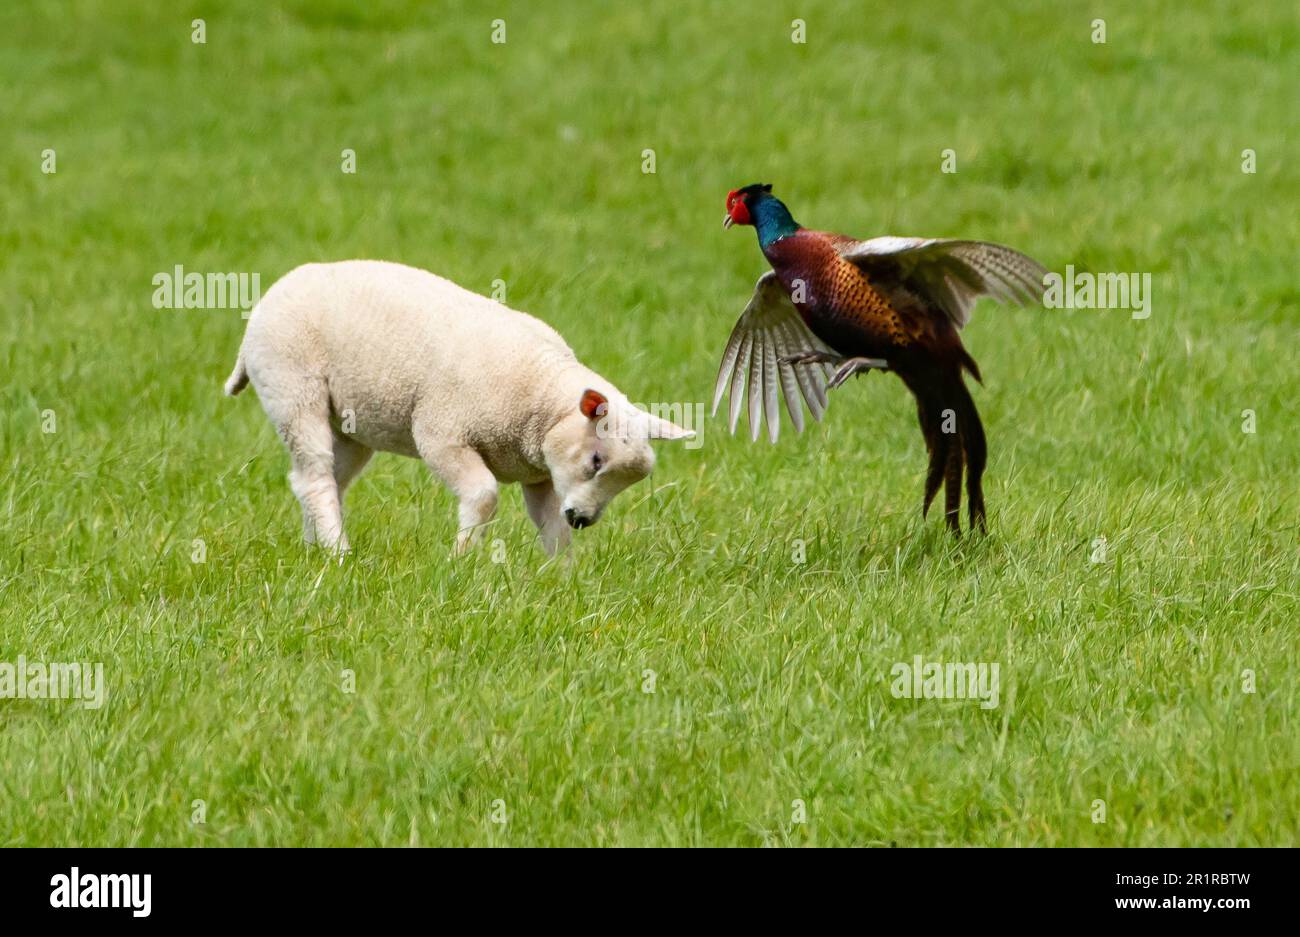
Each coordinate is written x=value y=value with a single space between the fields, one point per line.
x=833 y=306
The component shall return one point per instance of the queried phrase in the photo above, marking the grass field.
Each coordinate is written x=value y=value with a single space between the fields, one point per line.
x=517 y=690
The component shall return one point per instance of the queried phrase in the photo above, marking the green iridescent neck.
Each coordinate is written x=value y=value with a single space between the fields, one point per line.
x=773 y=221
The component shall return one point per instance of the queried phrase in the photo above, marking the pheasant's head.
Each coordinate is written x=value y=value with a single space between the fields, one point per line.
x=741 y=203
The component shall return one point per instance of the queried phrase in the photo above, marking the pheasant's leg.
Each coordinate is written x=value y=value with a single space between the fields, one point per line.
x=811 y=357
x=852 y=366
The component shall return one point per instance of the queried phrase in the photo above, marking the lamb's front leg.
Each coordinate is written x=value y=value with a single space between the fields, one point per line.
x=471 y=481
x=544 y=508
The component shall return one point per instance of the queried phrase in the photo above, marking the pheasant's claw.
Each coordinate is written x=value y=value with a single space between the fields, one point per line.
x=853 y=366
x=811 y=357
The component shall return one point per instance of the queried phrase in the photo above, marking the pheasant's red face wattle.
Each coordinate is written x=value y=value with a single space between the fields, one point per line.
x=737 y=211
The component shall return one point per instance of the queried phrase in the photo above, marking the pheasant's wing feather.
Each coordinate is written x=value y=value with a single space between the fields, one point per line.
x=769 y=329
x=951 y=274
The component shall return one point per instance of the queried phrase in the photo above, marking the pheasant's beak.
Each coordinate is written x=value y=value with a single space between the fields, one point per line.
x=726 y=222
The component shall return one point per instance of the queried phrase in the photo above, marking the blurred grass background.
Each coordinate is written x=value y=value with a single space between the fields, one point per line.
x=523 y=681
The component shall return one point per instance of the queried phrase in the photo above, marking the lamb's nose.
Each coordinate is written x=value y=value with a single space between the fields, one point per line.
x=576 y=521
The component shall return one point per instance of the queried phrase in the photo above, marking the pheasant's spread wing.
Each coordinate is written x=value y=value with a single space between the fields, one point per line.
x=951 y=274
x=768 y=329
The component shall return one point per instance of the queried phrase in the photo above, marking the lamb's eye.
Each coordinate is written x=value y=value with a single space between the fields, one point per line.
x=596 y=463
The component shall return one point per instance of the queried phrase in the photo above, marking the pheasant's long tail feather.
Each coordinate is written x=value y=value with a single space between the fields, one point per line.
x=954 y=438
x=969 y=364
x=976 y=449
x=952 y=486
x=936 y=444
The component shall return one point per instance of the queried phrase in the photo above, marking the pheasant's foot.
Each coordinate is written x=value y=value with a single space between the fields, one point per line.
x=853 y=366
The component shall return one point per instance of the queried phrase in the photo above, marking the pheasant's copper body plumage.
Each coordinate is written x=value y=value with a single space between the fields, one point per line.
x=834 y=306
x=841 y=305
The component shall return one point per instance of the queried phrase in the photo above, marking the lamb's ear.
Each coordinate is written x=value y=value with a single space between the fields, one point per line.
x=659 y=428
x=593 y=404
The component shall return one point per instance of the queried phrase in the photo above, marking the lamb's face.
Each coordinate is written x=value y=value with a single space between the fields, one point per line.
x=598 y=451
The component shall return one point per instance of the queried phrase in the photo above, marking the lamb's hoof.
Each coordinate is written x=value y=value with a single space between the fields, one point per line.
x=853 y=366
x=339 y=550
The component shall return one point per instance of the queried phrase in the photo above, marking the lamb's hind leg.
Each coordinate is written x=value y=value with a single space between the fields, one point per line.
x=310 y=440
x=350 y=457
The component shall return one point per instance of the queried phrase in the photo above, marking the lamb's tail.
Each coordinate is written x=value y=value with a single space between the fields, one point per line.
x=238 y=379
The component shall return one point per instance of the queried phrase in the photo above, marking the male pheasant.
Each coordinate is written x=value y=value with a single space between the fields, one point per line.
x=833 y=306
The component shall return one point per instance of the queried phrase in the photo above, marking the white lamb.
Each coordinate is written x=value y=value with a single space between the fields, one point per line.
x=361 y=355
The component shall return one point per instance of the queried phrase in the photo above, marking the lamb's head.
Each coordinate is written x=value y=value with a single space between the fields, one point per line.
x=602 y=447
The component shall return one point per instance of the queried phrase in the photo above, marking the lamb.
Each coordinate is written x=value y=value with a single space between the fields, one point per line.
x=352 y=357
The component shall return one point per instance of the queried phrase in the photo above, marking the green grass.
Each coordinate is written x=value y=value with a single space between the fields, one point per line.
x=523 y=681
